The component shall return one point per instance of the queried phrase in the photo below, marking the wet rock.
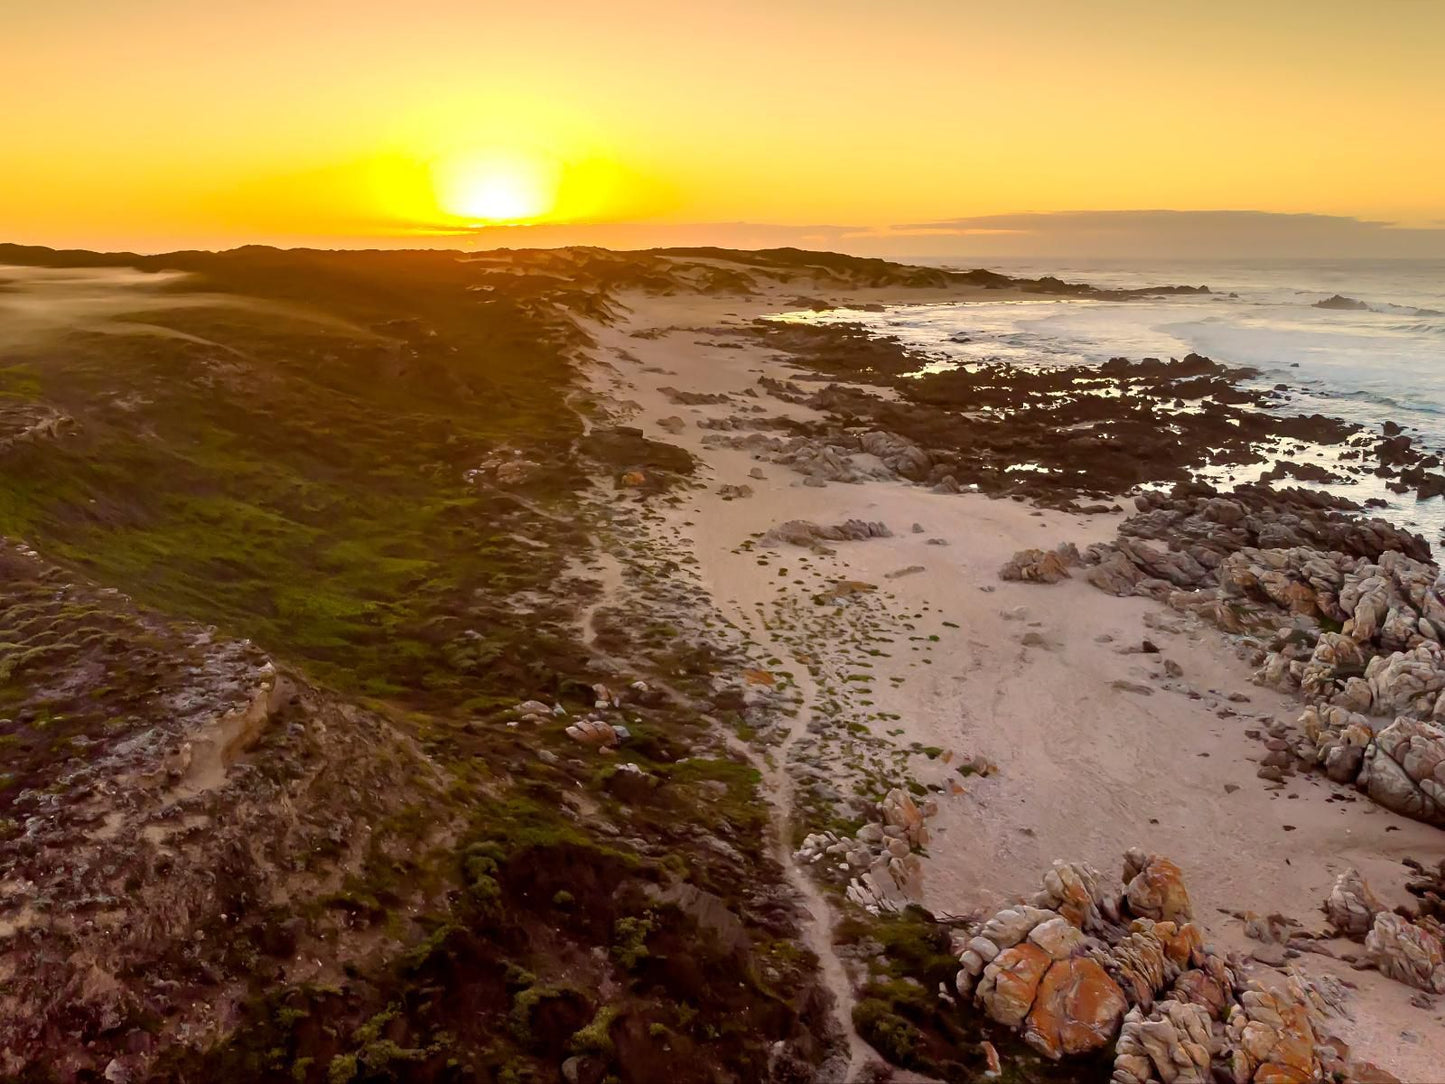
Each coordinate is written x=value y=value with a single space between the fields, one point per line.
x=1339 y=301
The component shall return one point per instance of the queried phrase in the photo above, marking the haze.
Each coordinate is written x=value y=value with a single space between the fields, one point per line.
x=924 y=127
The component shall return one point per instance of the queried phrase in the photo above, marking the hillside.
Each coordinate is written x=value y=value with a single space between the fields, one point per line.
x=345 y=496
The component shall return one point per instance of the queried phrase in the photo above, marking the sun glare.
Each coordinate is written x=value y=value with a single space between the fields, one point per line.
x=496 y=186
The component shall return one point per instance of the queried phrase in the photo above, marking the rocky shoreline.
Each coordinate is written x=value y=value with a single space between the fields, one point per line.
x=1213 y=557
x=1079 y=433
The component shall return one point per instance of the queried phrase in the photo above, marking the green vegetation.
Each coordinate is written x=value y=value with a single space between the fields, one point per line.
x=302 y=479
x=370 y=464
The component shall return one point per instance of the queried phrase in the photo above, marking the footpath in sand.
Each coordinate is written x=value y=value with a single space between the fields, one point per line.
x=1047 y=726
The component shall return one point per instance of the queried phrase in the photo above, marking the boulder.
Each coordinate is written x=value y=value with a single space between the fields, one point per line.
x=1272 y=1037
x=594 y=732
x=1211 y=985
x=1351 y=907
x=898 y=454
x=1154 y=888
x=1407 y=681
x=1404 y=769
x=1076 y=891
x=1077 y=1008
x=1011 y=925
x=1407 y=952
x=1151 y=956
x=1011 y=981
x=802 y=532
x=1036 y=566
x=1114 y=575
x=1171 y=1044
x=1059 y=937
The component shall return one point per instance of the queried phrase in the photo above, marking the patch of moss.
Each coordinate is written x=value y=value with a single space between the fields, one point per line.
x=596 y=1037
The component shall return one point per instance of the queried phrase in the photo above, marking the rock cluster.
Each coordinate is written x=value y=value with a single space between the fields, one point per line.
x=1041 y=566
x=1407 y=950
x=1066 y=967
x=834 y=456
x=1173 y=1043
x=1374 y=709
x=898 y=454
x=694 y=398
x=1273 y=1037
x=802 y=532
x=1084 y=964
x=28 y=423
x=1181 y=542
x=819 y=461
x=593 y=729
x=1351 y=612
x=883 y=872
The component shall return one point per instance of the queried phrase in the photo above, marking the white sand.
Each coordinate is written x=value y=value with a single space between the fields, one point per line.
x=1085 y=770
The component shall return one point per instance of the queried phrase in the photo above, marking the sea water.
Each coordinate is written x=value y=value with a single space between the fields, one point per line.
x=1366 y=366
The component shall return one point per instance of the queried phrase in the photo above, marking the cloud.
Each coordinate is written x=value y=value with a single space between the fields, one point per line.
x=1149 y=234
x=1175 y=235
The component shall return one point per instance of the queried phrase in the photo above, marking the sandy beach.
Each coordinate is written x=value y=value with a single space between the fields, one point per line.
x=1100 y=744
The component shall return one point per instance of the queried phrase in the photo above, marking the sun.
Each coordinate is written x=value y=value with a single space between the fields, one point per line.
x=496 y=186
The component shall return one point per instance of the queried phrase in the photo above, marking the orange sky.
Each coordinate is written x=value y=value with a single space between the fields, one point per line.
x=157 y=123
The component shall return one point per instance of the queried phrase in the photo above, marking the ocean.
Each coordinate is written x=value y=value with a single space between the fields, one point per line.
x=1384 y=362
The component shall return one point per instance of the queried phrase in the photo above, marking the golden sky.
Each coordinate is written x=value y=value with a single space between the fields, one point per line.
x=154 y=124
